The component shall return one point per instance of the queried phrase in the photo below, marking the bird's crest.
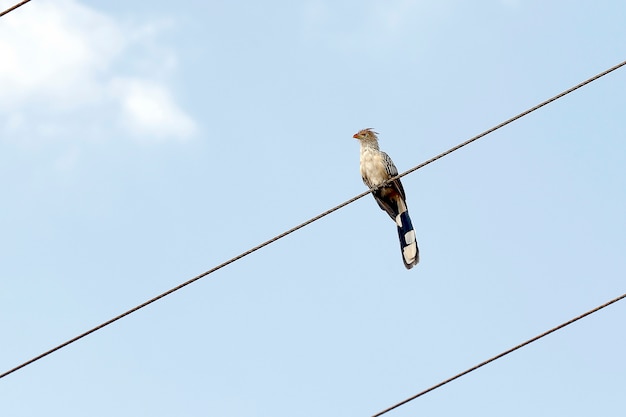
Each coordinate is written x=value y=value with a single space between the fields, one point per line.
x=367 y=132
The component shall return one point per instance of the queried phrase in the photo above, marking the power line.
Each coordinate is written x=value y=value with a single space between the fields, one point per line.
x=10 y=9
x=514 y=118
x=300 y=226
x=521 y=345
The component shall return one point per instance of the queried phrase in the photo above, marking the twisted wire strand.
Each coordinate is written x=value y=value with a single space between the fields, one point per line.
x=513 y=349
x=10 y=9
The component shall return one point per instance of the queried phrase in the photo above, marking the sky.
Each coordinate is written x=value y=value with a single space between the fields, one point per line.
x=143 y=143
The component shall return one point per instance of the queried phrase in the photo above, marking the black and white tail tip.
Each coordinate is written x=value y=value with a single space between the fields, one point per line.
x=408 y=243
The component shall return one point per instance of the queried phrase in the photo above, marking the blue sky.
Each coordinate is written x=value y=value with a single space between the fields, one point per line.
x=144 y=143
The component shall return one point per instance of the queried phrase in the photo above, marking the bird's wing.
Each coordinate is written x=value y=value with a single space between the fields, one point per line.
x=392 y=171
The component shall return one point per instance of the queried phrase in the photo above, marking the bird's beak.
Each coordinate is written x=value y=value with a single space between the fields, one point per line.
x=355 y=136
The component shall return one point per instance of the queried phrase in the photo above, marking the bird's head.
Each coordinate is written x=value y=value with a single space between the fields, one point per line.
x=366 y=135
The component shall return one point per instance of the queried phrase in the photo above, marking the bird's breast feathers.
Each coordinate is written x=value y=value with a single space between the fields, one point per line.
x=373 y=168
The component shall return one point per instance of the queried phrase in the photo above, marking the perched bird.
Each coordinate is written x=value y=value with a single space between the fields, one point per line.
x=376 y=168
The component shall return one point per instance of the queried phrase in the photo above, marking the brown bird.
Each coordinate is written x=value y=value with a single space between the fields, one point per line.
x=376 y=168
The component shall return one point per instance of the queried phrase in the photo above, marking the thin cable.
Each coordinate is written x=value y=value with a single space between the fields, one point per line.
x=521 y=345
x=10 y=9
x=512 y=119
x=300 y=226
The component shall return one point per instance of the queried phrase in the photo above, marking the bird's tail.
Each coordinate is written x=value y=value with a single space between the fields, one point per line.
x=408 y=243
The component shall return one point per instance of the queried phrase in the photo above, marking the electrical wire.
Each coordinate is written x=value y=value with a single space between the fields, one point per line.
x=313 y=219
x=10 y=9
x=521 y=345
x=512 y=119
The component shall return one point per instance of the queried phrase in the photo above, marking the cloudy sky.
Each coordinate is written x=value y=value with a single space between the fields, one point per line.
x=143 y=143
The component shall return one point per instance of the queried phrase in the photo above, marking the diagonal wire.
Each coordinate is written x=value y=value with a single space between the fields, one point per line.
x=301 y=225
x=10 y=9
x=521 y=345
x=512 y=119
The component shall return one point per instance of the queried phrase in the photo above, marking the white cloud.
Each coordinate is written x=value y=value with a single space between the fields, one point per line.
x=49 y=48
x=149 y=109
x=61 y=56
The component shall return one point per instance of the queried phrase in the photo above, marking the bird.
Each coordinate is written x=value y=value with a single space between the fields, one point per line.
x=376 y=168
